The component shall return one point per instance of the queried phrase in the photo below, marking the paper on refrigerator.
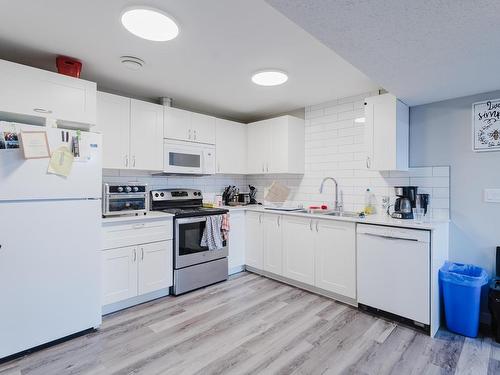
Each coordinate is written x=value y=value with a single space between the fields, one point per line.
x=61 y=161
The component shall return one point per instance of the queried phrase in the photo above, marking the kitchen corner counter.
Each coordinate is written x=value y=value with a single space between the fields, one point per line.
x=151 y=215
x=370 y=219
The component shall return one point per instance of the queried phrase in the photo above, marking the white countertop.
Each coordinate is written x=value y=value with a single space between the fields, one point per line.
x=149 y=216
x=369 y=219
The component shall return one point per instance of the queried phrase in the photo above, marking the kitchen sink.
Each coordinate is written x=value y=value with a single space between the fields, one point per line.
x=344 y=214
x=330 y=213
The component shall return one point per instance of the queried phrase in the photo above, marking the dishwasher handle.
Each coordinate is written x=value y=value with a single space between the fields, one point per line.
x=391 y=237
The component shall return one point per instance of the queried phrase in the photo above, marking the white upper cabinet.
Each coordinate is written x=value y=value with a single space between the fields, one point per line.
x=34 y=92
x=258 y=146
x=231 y=147
x=113 y=121
x=177 y=124
x=276 y=146
x=188 y=126
x=386 y=133
x=146 y=136
x=132 y=133
x=203 y=128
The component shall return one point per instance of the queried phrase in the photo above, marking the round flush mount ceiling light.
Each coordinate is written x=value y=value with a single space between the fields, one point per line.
x=150 y=24
x=269 y=78
x=131 y=62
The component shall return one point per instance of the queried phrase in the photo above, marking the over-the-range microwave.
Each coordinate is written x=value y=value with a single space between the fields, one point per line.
x=182 y=157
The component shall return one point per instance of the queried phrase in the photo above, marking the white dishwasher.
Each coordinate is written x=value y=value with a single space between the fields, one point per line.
x=393 y=272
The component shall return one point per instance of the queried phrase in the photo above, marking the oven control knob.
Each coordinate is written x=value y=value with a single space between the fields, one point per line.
x=162 y=194
x=136 y=189
x=156 y=195
x=120 y=189
x=128 y=189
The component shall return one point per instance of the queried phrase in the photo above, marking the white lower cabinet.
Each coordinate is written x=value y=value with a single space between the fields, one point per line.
x=236 y=242
x=273 y=244
x=335 y=249
x=319 y=253
x=298 y=249
x=254 y=254
x=119 y=274
x=155 y=264
x=137 y=261
x=135 y=270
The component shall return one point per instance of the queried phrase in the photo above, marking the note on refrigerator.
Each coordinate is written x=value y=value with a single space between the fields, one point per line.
x=61 y=162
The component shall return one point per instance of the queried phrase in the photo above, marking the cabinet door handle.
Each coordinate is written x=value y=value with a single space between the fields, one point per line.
x=189 y=133
x=218 y=167
x=138 y=226
x=317 y=226
x=42 y=110
x=368 y=162
x=133 y=158
x=142 y=253
x=126 y=161
x=278 y=220
x=260 y=219
x=311 y=225
x=135 y=255
x=262 y=167
x=195 y=135
x=267 y=167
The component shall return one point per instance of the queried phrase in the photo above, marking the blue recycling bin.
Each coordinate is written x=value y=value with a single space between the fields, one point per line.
x=461 y=286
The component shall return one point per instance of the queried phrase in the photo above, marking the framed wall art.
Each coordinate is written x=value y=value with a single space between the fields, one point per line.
x=486 y=125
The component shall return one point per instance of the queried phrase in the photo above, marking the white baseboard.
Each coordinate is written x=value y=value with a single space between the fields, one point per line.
x=120 y=305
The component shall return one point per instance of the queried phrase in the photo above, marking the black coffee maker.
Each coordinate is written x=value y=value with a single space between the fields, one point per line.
x=405 y=202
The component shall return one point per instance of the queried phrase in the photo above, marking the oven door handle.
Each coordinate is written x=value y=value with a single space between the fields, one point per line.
x=187 y=220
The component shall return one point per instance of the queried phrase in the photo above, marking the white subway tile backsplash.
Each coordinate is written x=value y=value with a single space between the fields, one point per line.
x=441 y=171
x=340 y=108
x=441 y=193
x=421 y=172
x=334 y=147
x=430 y=182
x=351 y=114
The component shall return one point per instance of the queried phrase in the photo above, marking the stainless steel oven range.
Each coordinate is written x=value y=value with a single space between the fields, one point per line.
x=195 y=265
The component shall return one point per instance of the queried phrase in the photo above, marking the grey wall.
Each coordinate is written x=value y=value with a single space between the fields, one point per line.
x=440 y=134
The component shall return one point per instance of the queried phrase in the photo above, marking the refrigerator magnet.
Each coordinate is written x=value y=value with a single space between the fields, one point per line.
x=34 y=144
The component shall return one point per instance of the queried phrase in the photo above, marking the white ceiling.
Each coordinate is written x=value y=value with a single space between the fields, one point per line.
x=422 y=51
x=207 y=68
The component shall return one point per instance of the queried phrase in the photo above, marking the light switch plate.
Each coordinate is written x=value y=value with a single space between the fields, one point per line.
x=492 y=195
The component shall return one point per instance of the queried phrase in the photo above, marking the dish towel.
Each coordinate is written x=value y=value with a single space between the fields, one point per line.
x=225 y=226
x=212 y=235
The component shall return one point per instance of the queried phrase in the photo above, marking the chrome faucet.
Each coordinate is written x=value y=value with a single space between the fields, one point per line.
x=338 y=207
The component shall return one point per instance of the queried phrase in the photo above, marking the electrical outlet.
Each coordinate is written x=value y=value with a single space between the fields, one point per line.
x=492 y=195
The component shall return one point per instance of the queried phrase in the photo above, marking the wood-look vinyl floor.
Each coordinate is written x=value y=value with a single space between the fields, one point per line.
x=254 y=325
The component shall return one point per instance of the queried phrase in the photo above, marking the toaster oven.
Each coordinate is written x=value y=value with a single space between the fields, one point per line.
x=128 y=198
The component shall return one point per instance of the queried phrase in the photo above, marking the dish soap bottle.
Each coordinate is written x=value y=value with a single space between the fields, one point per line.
x=369 y=202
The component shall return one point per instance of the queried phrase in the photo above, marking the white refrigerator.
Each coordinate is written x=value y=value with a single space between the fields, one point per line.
x=50 y=236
